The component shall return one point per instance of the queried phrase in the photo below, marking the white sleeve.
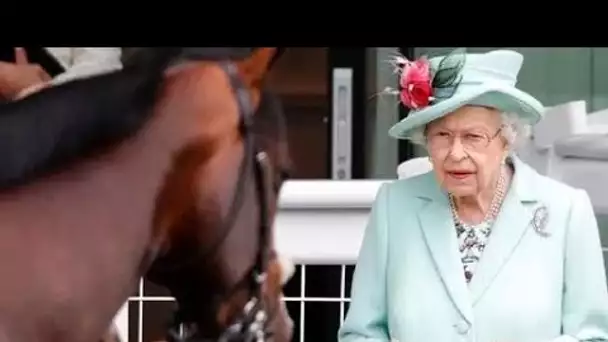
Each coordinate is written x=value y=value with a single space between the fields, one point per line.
x=88 y=61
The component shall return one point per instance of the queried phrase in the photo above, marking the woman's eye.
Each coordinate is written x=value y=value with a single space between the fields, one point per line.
x=472 y=136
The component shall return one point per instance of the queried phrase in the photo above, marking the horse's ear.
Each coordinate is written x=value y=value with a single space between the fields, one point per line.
x=254 y=68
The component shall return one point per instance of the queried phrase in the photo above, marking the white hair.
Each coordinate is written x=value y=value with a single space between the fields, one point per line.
x=514 y=130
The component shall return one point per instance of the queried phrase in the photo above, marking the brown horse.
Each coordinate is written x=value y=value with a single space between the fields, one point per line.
x=170 y=169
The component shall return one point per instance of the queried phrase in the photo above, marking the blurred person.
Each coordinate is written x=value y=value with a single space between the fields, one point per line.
x=21 y=77
x=482 y=248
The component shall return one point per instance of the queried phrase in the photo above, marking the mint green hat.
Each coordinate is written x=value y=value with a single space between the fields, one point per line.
x=486 y=79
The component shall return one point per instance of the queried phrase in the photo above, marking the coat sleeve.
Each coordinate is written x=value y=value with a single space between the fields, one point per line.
x=88 y=61
x=366 y=319
x=585 y=298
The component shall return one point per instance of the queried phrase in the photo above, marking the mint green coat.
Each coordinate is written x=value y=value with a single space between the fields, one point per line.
x=409 y=284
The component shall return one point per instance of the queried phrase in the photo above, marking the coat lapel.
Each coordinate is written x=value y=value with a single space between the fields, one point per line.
x=512 y=222
x=438 y=229
x=440 y=235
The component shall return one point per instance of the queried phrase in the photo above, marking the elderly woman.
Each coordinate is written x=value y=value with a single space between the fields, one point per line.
x=482 y=248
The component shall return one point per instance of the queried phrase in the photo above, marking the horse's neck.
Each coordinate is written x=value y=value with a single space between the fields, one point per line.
x=76 y=239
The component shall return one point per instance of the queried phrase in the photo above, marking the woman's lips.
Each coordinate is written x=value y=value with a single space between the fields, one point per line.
x=459 y=174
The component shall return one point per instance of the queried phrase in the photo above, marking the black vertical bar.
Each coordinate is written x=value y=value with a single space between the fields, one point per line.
x=405 y=148
x=352 y=57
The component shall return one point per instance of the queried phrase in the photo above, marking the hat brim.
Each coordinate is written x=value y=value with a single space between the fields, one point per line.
x=502 y=97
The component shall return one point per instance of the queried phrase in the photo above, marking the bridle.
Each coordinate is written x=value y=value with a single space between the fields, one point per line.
x=251 y=324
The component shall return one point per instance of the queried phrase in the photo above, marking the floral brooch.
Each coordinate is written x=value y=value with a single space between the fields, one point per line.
x=419 y=83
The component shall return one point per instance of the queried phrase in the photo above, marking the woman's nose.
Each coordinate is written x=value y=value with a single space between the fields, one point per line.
x=457 y=150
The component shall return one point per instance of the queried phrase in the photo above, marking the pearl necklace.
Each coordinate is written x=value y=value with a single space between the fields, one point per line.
x=491 y=215
x=473 y=238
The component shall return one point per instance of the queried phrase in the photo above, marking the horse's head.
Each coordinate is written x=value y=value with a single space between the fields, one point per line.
x=214 y=216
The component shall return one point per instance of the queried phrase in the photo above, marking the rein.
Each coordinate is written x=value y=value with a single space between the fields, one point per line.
x=251 y=324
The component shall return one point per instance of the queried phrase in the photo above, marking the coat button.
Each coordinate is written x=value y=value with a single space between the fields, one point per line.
x=461 y=327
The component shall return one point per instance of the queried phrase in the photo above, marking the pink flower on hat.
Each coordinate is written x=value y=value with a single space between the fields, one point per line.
x=415 y=81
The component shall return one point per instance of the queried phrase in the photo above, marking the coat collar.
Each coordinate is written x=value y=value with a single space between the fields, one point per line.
x=522 y=184
x=438 y=228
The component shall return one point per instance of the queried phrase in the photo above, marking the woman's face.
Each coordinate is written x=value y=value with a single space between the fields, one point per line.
x=466 y=149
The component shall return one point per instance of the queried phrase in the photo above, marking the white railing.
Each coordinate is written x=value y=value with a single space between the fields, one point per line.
x=320 y=222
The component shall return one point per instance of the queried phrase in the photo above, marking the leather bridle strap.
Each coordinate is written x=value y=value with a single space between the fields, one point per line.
x=251 y=324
